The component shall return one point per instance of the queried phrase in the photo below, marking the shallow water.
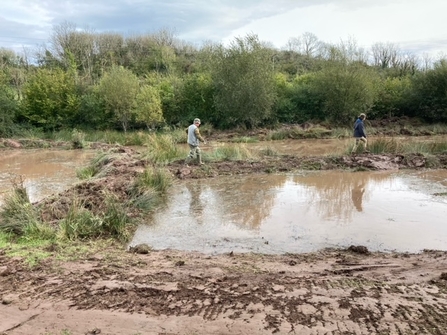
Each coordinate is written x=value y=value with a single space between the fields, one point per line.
x=43 y=172
x=386 y=211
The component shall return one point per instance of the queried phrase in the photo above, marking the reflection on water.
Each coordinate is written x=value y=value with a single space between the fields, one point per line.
x=300 y=213
x=44 y=171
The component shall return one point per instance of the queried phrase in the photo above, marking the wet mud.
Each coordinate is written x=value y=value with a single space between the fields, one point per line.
x=173 y=292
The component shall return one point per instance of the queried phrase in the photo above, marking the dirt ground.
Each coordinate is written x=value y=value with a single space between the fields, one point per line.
x=331 y=292
x=171 y=292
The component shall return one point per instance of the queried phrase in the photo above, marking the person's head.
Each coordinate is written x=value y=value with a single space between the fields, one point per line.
x=362 y=116
x=197 y=122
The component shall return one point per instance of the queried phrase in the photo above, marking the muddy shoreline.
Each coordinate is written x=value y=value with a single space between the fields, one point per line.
x=114 y=291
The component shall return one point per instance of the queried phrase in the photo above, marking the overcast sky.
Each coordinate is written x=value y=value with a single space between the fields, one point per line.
x=418 y=26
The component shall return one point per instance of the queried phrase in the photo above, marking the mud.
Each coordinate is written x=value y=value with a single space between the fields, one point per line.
x=332 y=292
x=348 y=291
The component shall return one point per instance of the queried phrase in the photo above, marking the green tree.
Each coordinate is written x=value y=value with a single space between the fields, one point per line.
x=50 y=99
x=429 y=94
x=243 y=77
x=148 y=106
x=345 y=90
x=119 y=88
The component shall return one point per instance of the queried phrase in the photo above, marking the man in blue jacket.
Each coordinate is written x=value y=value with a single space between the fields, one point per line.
x=359 y=133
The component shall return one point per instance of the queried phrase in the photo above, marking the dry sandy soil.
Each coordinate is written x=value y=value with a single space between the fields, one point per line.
x=333 y=292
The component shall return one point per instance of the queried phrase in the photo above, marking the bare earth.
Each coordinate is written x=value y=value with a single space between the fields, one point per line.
x=171 y=292
x=332 y=292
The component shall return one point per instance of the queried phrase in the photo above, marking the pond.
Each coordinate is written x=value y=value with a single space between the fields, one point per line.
x=385 y=211
x=400 y=210
x=43 y=171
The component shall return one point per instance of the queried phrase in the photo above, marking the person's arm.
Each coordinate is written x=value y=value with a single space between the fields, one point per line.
x=197 y=133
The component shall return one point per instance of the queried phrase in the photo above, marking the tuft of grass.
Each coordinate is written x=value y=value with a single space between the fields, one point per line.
x=17 y=215
x=95 y=166
x=154 y=178
x=244 y=139
x=385 y=146
x=231 y=153
x=82 y=224
x=77 y=139
x=163 y=149
x=269 y=151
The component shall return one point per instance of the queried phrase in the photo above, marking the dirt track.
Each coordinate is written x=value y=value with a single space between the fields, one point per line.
x=172 y=292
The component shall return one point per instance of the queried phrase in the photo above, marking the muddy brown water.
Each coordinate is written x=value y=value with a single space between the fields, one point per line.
x=44 y=172
x=400 y=211
x=385 y=211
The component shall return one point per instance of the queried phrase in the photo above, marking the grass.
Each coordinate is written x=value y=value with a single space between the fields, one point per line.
x=96 y=165
x=230 y=153
x=394 y=146
x=163 y=149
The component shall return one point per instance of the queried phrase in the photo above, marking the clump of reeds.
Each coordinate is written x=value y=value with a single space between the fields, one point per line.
x=163 y=149
x=231 y=153
x=96 y=165
x=80 y=223
x=384 y=146
x=19 y=217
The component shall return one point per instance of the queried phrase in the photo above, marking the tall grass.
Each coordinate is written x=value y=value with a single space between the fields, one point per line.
x=298 y=132
x=81 y=223
x=230 y=153
x=19 y=217
x=163 y=149
x=394 y=146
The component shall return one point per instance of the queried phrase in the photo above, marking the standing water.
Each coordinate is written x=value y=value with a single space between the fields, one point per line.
x=385 y=211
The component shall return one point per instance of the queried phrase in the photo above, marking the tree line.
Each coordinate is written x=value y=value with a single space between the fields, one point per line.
x=89 y=80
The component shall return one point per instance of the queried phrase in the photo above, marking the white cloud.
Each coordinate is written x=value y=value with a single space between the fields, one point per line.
x=416 y=25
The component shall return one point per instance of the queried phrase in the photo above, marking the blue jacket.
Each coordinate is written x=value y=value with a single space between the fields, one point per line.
x=359 y=128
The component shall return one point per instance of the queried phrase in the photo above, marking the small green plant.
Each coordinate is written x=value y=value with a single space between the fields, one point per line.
x=157 y=179
x=77 y=139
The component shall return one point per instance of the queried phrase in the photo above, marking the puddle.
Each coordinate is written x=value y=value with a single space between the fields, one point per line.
x=385 y=211
x=44 y=172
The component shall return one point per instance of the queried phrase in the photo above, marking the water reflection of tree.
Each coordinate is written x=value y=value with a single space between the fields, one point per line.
x=339 y=194
x=249 y=200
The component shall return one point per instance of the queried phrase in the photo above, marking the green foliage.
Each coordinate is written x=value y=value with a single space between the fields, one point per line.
x=119 y=88
x=345 y=90
x=50 y=99
x=196 y=98
x=148 y=106
x=429 y=96
x=244 y=84
x=390 y=100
